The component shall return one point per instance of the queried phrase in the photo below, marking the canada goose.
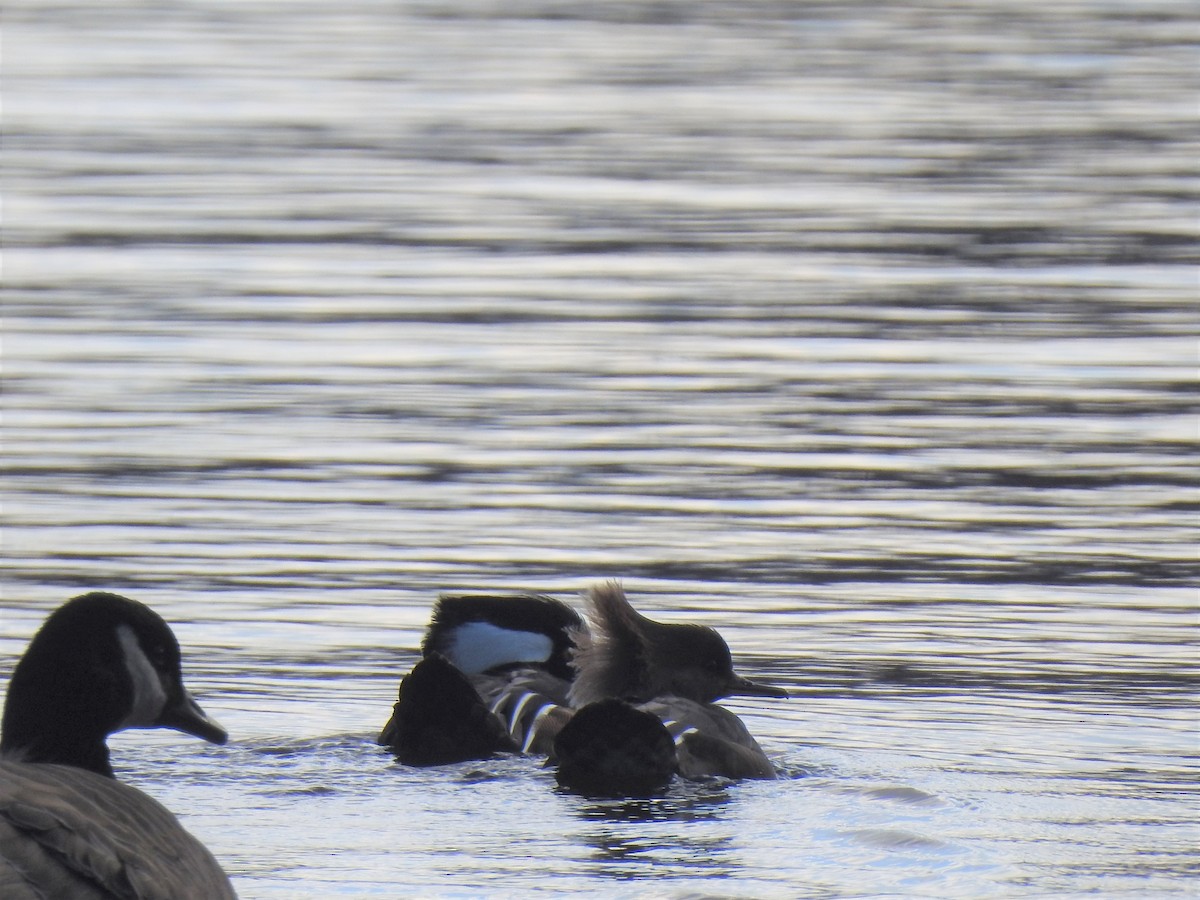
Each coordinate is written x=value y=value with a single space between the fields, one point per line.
x=68 y=829
x=536 y=665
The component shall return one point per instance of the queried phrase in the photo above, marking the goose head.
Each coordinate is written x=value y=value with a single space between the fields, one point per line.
x=99 y=664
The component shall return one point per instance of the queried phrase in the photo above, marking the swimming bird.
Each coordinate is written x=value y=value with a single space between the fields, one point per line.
x=100 y=663
x=535 y=665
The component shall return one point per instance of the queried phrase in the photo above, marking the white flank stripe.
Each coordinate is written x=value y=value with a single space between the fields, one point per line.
x=515 y=716
x=689 y=730
x=531 y=734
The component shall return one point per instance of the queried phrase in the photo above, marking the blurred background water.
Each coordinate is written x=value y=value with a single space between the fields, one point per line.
x=865 y=333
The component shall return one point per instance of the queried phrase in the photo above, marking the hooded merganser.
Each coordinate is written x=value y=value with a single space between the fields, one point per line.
x=99 y=664
x=535 y=666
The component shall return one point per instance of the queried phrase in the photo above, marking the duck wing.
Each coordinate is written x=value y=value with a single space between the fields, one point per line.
x=710 y=740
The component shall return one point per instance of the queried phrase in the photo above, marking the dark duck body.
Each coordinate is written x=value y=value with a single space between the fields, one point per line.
x=648 y=690
x=99 y=664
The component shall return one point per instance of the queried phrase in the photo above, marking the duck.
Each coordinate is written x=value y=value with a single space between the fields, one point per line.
x=99 y=664
x=618 y=702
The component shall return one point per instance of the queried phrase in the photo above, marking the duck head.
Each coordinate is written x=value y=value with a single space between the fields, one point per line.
x=627 y=656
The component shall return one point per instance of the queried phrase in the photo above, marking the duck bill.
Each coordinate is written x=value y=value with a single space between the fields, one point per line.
x=744 y=687
x=186 y=715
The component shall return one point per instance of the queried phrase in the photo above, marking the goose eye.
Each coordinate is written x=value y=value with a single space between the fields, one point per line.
x=157 y=654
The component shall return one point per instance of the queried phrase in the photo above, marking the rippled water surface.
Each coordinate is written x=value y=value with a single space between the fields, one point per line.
x=865 y=333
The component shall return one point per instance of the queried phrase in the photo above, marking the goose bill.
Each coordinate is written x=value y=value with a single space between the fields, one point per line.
x=187 y=716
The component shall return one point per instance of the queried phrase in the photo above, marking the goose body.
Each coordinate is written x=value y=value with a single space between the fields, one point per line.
x=99 y=664
x=70 y=833
x=642 y=682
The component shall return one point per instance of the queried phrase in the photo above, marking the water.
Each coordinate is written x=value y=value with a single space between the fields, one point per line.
x=864 y=333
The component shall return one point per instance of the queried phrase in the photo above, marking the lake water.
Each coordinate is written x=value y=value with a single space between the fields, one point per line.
x=865 y=333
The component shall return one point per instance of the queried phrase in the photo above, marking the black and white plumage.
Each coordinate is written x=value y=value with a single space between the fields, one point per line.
x=495 y=671
x=99 y=664
x=534 y=663
x=485 y=632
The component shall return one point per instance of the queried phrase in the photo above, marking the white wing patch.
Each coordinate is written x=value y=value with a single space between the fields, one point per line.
x=477 y=646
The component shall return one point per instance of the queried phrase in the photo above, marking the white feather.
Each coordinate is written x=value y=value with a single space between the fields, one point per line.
x=149 y=696
x=477 y=646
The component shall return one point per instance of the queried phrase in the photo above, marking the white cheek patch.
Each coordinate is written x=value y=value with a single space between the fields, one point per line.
x=149 y=697
x=477 y=646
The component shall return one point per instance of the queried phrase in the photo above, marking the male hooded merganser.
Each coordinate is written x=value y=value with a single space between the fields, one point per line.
x=536 y=667
x=100 y=663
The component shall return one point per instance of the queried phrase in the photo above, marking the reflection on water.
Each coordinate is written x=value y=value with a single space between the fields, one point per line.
x=862 y=332
x=698 y=801
x=640 y=838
